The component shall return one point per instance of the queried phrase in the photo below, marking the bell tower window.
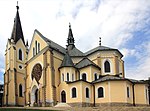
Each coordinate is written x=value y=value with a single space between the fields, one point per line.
x=107 y=66
x=20 y=54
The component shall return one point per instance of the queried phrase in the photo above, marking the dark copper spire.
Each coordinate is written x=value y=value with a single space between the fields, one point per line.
x=17 y=32
x=70 y=39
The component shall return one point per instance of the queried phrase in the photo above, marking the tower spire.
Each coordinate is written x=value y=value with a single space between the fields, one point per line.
x=70 y=39
x=17 y=32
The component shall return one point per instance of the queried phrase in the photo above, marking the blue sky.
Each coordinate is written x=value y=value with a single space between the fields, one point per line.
x=121 y=24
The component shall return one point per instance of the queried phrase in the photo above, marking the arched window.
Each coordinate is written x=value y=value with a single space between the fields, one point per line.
x=87 y=92
x=35 y=47
x=100 y=92
x=84 y=77
x=33 y=51
x=20 y=54
x=95 y=76
x=62 y=77
x=128 y=92
x=74 y=93
x=38 y=47
x=20 y=91
x=107 y=66
x=67 y=76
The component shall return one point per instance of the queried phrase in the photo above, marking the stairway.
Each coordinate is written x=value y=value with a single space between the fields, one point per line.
x=62 y=105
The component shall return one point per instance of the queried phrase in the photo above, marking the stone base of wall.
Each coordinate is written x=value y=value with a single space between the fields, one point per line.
x=47 y=104
x=83 y=104
x=142 y=105
x=112 y=104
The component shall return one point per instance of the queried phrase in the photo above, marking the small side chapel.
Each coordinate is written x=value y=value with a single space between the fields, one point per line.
x=47 y=74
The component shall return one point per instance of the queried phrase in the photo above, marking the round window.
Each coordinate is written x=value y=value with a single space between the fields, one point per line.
x=20 y=67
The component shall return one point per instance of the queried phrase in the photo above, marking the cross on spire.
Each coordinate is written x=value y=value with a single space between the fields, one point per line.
x=17 y=6
x=99 y=41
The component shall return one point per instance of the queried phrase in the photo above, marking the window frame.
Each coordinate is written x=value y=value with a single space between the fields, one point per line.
x=99 y=95
x=38 y=47
x=83 y=77
x=87 y=94
x=74 y=92
x=20 y=90
x=128 y=92
x=95 y=75
x=20 y=54
x=68 y=76
x=107 y=67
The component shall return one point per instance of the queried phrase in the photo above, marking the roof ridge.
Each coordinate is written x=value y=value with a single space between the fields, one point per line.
x=86 y=63
x=51 y=43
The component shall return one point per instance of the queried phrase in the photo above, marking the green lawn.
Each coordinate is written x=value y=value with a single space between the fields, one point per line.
x=17 y=109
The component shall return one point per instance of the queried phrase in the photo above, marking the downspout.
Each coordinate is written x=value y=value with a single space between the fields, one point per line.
x=133 y=94
x=93 y=95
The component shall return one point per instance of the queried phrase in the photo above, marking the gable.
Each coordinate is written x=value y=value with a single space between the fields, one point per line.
x=33 y=47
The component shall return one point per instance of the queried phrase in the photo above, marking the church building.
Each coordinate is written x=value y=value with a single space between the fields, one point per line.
x=47 y=74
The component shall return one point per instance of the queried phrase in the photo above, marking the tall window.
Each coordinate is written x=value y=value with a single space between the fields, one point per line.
x=87 y=92
x=67 y=76
x=38 y=47
x=74 y=93
x=95 y=76
x=20 y=54
x=20 y=91
x=84 y=77
x=100 y=92
x=33 y=51
x=35 y=47
x=128 y=92
x=62 y=77
x=107 y=66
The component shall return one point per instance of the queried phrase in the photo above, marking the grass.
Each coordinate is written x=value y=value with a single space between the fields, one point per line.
x=17 y=109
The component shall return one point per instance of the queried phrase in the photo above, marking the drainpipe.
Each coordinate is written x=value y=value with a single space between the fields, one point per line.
x=133 y=94
x=94 y=95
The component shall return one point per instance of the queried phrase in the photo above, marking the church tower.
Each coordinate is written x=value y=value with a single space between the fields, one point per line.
x=15 y=58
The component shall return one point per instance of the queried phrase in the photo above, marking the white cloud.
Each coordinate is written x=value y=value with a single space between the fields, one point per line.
x=128 y=52
x=115 y=21
x=1 y=82
x=140 y=70
x=2 y=70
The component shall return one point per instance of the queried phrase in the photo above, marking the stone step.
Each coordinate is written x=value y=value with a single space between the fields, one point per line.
x=62 y=105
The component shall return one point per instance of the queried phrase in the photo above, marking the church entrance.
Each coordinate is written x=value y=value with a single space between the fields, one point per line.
x=34 y=96
x=63 y=97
